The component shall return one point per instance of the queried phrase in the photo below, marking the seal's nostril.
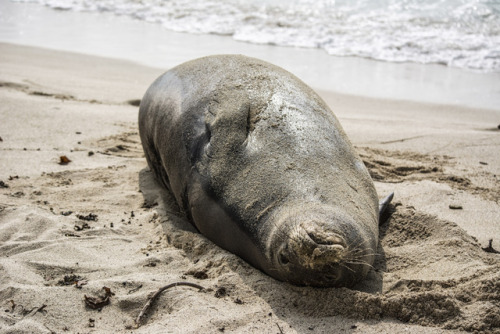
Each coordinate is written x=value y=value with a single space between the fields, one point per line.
x=325 y=238
x=320 y=241
x=283 y=259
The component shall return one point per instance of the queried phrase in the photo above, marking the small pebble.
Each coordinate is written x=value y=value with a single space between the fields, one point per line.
x=455 y=207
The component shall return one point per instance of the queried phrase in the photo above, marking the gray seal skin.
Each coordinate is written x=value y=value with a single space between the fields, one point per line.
x=261 y=166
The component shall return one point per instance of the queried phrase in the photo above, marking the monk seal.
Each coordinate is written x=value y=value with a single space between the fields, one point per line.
x=261 y=166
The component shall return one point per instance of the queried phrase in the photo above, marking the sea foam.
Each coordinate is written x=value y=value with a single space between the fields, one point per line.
x=457 y=33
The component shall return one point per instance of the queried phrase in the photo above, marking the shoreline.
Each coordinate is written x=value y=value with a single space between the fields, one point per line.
x=151 y=45
x=58 y=103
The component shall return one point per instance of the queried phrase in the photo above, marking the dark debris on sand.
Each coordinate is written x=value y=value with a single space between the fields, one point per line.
x=89 y=217
x=490 y=248
x=98 y=302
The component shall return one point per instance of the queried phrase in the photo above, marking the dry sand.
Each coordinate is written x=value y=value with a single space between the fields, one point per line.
x=432 y=275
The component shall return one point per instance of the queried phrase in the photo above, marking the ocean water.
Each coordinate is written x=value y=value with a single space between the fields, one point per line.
x=457 y=33
x=109 y=35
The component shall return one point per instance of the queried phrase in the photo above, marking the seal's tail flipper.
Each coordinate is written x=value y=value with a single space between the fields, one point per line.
x=382 y=207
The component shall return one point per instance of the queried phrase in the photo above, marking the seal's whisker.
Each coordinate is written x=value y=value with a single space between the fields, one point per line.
x=273 y=269
x=360 y=251
x=362 y=263
x=359 y=241
x=364 y=255
x=358 y=258
x=346 y=267
x=286 y=235
x=355 y=252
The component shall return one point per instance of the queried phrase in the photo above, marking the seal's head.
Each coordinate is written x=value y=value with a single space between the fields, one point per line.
x=322 y=248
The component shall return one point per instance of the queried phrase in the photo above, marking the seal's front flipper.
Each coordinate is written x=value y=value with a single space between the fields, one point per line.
x=382 y=207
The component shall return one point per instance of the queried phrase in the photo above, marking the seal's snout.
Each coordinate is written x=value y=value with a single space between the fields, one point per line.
x=319 y=246
x=321 y=252
x=313 y=256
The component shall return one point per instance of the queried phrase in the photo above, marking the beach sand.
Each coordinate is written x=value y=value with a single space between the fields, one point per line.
x=68 y=230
